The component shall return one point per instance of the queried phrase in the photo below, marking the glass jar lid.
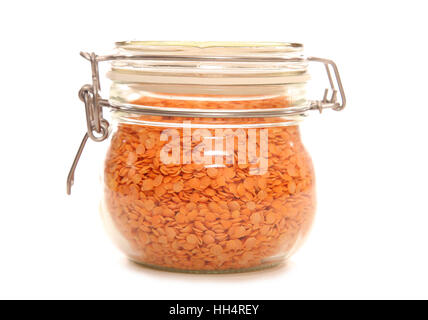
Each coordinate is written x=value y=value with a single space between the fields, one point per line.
x=210 y=63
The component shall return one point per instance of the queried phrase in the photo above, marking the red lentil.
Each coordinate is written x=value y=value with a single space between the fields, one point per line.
x=191 y=217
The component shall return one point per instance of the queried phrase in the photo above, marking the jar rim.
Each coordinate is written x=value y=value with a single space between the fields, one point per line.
x=290 y=113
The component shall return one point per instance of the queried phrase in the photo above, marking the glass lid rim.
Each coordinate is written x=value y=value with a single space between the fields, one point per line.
x=209 y=44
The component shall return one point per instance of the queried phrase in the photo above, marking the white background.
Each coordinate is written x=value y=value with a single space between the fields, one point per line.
x=370 y=238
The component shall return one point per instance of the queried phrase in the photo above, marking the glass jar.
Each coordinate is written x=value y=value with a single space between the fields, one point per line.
x=205 y=169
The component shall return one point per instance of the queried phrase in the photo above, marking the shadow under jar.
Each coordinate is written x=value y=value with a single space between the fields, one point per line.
x=205 y=169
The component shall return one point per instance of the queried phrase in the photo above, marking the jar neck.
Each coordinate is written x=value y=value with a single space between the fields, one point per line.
x=211 y=107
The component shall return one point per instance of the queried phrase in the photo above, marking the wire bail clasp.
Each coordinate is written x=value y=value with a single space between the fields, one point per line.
x=326 y=102
x=97 y=126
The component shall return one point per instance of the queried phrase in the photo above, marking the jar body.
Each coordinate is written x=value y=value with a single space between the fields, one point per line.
x=208 y=195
